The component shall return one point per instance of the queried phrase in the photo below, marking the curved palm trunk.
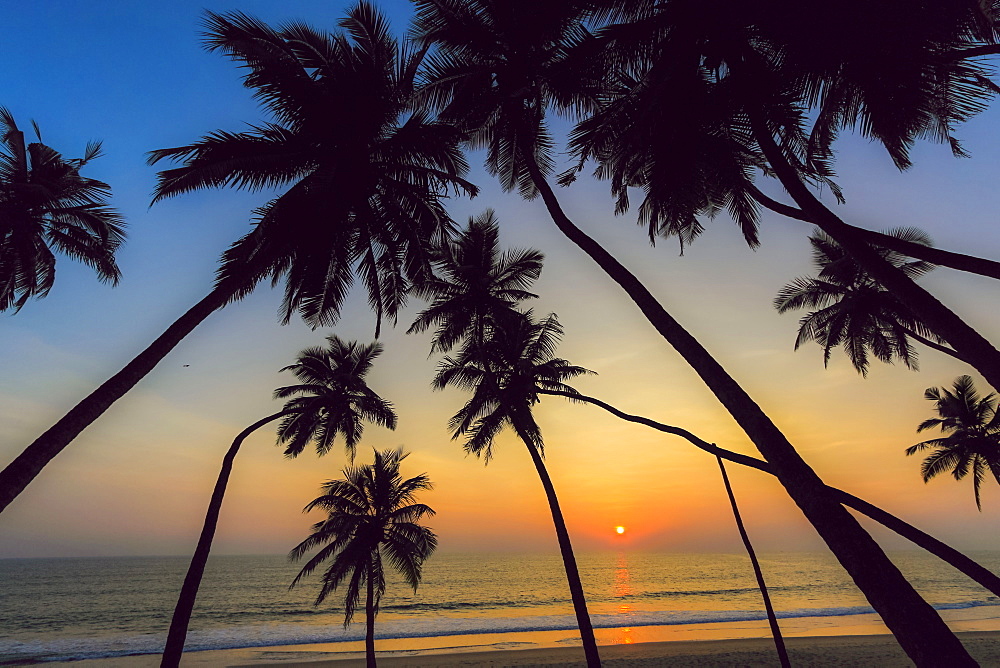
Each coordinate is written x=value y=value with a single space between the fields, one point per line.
x=937 y=256
x=177 y=634
x=569 y=560
x=975 y=571
x=20 y=472
x=370 y=622
x=779 y=642
x=966 y=341
x=918 y=628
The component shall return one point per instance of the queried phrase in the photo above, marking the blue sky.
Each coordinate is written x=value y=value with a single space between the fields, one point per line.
x=134 y=75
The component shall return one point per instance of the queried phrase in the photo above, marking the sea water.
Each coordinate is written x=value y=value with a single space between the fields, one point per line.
x=91 y=608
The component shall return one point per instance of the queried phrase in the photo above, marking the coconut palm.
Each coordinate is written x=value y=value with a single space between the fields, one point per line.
x=331 y=399
x=496 y=75
x=505 y=375
x=854 y=310
x=474 y=284
x=363 y=182
x=372 y=513
x=972 y=435
x=47 y=207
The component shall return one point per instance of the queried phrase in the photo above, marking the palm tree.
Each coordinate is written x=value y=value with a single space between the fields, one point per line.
x=854 y=310
x=371 y=513
x=46 y=206
x=495 y=75
x=331 y=399
x=365 y=182
x=748 y=78
x=505 y=375
x=474 y=285
x=972 y=440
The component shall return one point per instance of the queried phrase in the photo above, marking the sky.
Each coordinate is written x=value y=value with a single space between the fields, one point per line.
x=134 y=75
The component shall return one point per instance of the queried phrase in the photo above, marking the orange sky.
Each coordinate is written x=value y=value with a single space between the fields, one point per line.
x=138 y=481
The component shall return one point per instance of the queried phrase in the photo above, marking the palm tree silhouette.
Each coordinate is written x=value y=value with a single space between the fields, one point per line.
x=505 y=375
x=495 y=74
x=972 y=440
x=749 y=80
x=46 y=206
x=365 y=185
x=854 y=310
x=370 y=513
x=331 y=399
x=474 y=285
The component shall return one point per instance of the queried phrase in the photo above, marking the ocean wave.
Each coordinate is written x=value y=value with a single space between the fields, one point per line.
x=269 y=635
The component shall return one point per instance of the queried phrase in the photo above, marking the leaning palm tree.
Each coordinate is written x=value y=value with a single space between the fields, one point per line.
x=496 y=75
x=47 y=207
x=854 y=310
x=475 y=286
x=331 y=399
x=505 y=376
x=371 y=513
x=972 y=435
x=749 y=76
x=364 y=183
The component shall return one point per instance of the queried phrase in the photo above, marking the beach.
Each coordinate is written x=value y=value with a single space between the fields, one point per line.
x=866 y=650
x=857 y=640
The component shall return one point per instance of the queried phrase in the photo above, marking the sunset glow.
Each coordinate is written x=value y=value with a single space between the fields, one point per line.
x=215 y=384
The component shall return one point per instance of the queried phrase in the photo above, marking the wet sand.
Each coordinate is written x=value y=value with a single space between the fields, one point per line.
x=856 y=640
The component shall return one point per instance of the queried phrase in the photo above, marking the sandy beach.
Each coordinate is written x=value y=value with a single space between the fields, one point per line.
x=865 y=650
x=856 y=640
x=821 y=651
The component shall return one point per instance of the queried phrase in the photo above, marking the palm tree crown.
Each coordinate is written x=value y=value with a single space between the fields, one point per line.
x=505 y=376
x=371 y=513
x=972 y=440
x=332 y=397
x=365 y=177
x=853 y=309
x=475 y=286
x=46 y=206
x=494 y=74
x=693 y=84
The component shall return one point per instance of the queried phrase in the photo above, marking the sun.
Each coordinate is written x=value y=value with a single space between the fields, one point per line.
x=619 y=530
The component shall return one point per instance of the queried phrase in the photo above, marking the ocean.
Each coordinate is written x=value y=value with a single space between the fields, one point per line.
x=93 y=608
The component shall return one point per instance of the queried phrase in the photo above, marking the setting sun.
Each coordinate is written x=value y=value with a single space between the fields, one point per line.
x=619 y=530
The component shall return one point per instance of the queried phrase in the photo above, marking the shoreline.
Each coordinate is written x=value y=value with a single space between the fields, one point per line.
x=812 y=641
x=804 y=651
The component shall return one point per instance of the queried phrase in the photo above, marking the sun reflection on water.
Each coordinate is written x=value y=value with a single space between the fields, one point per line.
x=623 y=591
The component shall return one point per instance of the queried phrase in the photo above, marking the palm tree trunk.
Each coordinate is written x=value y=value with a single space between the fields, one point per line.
x=965 y=340
x=779 y=643
x=918 y=628
x=20 y=472
x=177 y=634
x=370 y=621
x=937 y=256
x=975 y=571
x=569 y=560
